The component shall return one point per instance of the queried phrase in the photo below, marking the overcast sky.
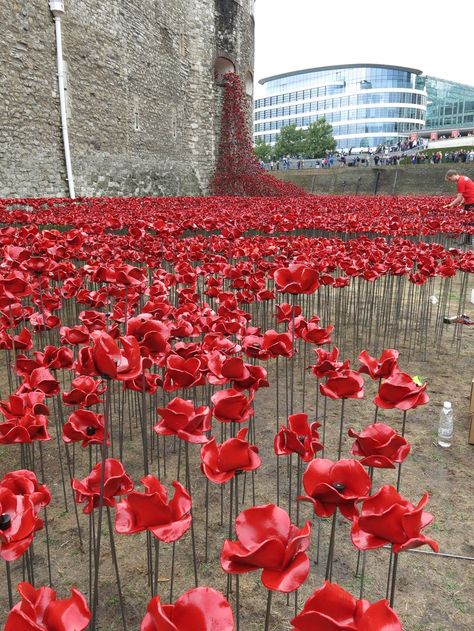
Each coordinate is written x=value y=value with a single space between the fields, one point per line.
x=437 y=38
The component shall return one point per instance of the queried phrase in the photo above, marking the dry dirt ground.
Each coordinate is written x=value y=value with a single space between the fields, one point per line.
x=434 y=593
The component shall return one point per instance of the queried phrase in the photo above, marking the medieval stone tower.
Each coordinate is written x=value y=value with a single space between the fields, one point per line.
x=142 y=93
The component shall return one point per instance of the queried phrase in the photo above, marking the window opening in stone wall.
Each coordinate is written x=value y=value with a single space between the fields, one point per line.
x=249 y=83
x=136 y=115
x=182 y=45
x=174 y=123
x=222 y=65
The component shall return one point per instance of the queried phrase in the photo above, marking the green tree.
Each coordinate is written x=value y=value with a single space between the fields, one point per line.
x=289 y=142
x=262 y=150
x=318 y=139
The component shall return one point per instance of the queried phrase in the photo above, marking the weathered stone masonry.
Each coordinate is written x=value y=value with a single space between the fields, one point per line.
x=143 y=103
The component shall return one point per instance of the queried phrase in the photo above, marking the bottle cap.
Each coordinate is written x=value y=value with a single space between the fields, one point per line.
x=447 y=404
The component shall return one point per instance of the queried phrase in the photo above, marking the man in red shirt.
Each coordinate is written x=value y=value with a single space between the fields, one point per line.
x=465 y=194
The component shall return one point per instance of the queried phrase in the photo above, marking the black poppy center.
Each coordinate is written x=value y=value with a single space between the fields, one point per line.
x=302 y=439
x=339 y=486
x=5 y=521
x=90 y=431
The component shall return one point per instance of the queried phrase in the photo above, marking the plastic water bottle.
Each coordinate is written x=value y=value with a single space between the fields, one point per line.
x=445 y=429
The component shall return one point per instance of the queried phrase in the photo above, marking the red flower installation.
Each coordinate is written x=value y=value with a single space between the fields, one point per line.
x=180 y=418
x=166 y=520
x=199 y=609
x=296 y=279
x=400 y=391
x=387 y=517
x=299 y=437
x=18 y=523
x=268 y=540
x=380 y=446
x=40 y=610
x=231 y=406
x=86 y=426
x=220 y=463
x=116 y=482
x=331 y=608
x=330 y=485
x=345 y=384
x=85 y=392
x=379 y=368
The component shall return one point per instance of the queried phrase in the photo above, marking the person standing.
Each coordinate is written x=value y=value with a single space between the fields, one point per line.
x=465 y=190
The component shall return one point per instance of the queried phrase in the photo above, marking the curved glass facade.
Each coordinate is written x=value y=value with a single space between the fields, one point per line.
x=367 y=105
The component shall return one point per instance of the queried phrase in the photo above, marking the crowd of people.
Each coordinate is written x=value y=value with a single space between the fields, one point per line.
x=438 y=157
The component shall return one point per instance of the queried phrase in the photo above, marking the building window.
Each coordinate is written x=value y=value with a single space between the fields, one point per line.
x=222 y=66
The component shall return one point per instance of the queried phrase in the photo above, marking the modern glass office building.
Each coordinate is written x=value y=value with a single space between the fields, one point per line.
x=367 y=104
x=450 y=106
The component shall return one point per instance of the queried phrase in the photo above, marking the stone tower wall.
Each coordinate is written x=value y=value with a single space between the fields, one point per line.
x=143 y=104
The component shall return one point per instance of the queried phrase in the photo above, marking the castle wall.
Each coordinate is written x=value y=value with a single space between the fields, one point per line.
x=143 y=105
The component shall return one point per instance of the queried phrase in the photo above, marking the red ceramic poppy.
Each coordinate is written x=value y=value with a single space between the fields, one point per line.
x=152 y=335
x=24 y=429
x=381 y=368
x=40 y=610
x=75 y=335
x=166 y=520
x=199 y=609
x=331 y=608
x=41 y=379
x=401 y=392
x=182 y=373
x=276 y=344
x=299 y=437
x=380 y=446
x=387 y=517
x=180 y=418
x=110 y=361
x=327 y=362
x=25 y=482
x=286 y=312
x=55 y=357
x=84 y=425
x=147 y=381
x=268 y=540
x=231 y=406
x=345 y=384
x=220 y=463
x=315 y=334
x=116 y=482
x=296 y=279
x=85 y=392
x=19 y=405
x=330 y=485
x=18 y=523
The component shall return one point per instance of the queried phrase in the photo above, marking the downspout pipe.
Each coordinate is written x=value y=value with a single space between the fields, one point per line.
x=57 y=9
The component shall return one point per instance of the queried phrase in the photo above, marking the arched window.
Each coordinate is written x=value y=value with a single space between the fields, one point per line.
x=222 y=65
x=249 y=83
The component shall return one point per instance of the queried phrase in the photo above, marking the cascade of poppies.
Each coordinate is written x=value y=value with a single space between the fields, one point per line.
x=237 y=170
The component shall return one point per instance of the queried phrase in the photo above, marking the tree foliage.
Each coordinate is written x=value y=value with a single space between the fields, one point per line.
x=289 y=142
x=262 y=150
x=318 y=139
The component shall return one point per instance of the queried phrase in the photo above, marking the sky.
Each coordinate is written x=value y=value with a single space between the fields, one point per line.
x=429 y=36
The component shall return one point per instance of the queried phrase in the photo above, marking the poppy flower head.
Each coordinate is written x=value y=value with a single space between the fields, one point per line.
x=267 y=540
